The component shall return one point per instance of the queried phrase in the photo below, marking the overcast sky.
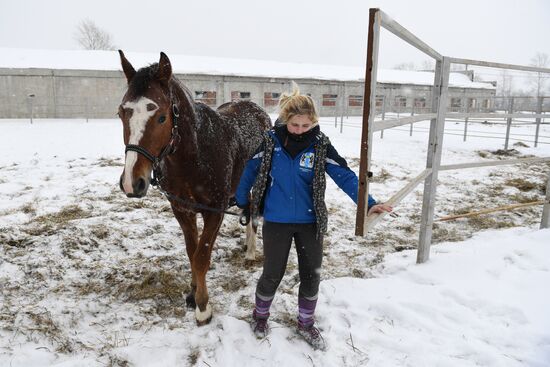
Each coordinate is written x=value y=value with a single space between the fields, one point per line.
x=311 y=31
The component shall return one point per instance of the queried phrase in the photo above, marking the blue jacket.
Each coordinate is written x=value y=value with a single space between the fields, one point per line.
x=289 y=195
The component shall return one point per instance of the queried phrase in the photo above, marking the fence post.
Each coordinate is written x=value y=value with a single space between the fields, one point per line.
x=31 y=104
x=87 y=110
x=466 y=119
x=545 y=221
x=32 y=109
x=437 y=127
x=369 y=114
x=384 y=107
x=342 y=107
x=383 y=114
x=412 y=114
x=336 y=111
x=537 y=120
x=509 y=123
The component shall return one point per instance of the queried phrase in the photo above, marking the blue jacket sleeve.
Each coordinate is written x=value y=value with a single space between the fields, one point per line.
x=337 y=168
x=248 y=177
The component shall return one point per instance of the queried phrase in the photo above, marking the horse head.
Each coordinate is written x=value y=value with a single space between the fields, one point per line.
x=148 y=113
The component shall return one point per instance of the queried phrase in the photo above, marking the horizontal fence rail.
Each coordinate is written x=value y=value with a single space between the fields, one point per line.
x=493 y=163
x=499 y=65
x=397 y=198
x=391 y=25
x=458 y=115
x=388 y=124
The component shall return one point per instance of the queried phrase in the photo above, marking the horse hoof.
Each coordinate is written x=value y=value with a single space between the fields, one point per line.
x=190 y=301
x=205 y=322
x=203 y=317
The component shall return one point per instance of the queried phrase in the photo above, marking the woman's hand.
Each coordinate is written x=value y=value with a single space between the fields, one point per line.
x=379 y=208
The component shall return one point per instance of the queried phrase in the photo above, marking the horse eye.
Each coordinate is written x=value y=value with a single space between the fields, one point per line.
x=162 y=119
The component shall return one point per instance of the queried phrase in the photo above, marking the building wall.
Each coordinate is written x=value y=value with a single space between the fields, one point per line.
x=97 y=94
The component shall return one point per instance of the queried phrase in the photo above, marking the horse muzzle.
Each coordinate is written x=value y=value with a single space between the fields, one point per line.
x=136 y=189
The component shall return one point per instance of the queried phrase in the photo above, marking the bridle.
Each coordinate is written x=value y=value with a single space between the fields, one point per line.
x=170 y=148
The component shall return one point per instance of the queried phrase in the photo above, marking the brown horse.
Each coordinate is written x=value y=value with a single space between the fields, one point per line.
x=197 y=155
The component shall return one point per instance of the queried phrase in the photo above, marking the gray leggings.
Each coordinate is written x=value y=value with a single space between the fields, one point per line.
x=277 y=240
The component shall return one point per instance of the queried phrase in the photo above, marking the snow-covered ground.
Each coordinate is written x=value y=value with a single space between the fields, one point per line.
x=91 y=278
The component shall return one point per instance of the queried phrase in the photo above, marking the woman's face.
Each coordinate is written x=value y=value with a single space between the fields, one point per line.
x=299 y=124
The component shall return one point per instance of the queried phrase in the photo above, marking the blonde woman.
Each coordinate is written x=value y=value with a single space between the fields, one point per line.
x=287 y=178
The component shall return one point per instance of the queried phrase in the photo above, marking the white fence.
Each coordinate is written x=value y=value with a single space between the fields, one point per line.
x=437 y=116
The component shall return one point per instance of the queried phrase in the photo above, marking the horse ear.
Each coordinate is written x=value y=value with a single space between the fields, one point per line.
x=165 y=68
x=128 y=69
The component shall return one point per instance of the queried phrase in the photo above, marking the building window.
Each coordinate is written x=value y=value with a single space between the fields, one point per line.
x=485 y=103
x=355 y=101
x=472 y=102
x=456 y=102
x=240 y=96
x=271 y=99
x=329 y=100
x=400 y=101
x=420 y=102
x=379 y=101
x=206 y=97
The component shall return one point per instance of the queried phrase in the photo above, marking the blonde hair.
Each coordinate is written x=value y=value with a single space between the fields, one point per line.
x=292 y=104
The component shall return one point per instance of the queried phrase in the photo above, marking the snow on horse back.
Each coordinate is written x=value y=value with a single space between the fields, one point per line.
x=194 y=153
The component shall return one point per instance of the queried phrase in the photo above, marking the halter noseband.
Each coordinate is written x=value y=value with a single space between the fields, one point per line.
x=167 y=150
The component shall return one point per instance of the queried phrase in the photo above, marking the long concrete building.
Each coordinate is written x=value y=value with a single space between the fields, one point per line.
x=89 y=84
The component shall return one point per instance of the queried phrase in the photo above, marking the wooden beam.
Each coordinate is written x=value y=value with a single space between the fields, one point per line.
x=487 y=211
x=388 y=124
x=495 y=115
x=369 y=113
x=449 y=167
x=374 y=218
x=545 y=221
x=437 y=126
x=391 y=25
x=498 y=65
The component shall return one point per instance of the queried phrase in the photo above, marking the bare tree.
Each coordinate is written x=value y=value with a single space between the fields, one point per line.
x=506 y=83
x=90 y=37
x=427 y=65
x=458 y=67
x=405 y=66
x=540 y=60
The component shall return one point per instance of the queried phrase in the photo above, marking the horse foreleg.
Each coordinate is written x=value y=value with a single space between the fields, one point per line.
x=251 y=233
x=201 y=263
x=188 y=224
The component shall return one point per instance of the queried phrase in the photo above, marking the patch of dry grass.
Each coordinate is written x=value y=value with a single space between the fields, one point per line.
x=506 y=152
x=28 y=208
x=12 y=238
x=521 y=144
x=193 y=357
x=521 y=184
x=99 y=231
x=234 y=283
x=164 y=287
x=109 y=162
x=63 y=216
x=523 y=198
x=483 y=153
x=381 y=177
x=481 y=222
x=446 y=234
x=41 y=322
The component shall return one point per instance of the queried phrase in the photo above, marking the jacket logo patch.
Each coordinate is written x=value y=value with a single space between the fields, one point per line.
x=307 y=159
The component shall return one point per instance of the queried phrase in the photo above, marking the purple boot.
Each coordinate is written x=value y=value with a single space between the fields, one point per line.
x=312 y=335
x=260 y=316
